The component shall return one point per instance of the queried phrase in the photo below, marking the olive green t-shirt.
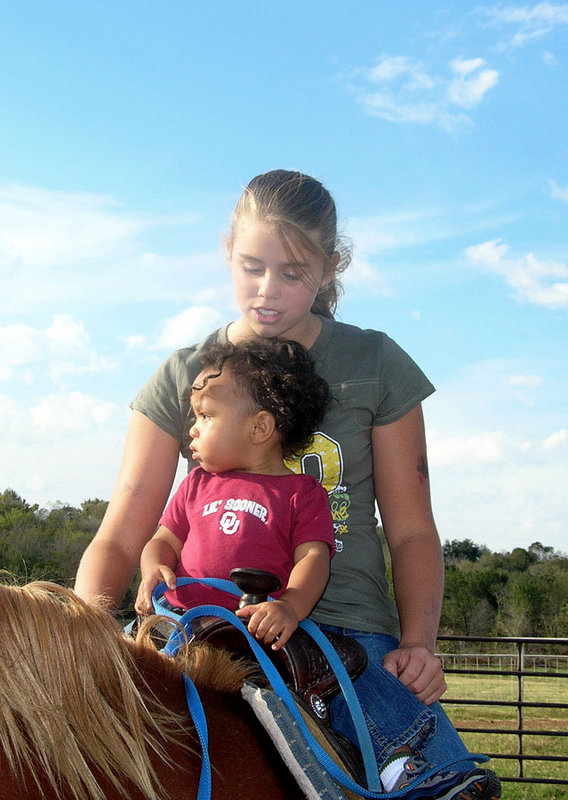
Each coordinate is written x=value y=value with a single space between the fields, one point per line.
x=373 y=382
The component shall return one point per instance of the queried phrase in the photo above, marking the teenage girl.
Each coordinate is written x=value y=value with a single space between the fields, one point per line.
x=286 y=259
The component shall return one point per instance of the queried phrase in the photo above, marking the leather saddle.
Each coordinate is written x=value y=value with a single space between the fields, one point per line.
x=301 y=663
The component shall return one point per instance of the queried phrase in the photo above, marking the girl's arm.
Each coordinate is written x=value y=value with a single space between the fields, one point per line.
x=275 y=620
x=158 y=561
x=402 y=490
x=144 y=482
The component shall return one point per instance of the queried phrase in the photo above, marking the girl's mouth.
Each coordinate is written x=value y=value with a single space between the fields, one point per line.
x=267 y=314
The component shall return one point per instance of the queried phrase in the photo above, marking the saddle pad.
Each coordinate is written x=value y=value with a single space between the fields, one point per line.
x=312 y=778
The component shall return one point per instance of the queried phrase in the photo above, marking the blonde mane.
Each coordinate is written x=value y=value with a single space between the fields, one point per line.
x=73 y=700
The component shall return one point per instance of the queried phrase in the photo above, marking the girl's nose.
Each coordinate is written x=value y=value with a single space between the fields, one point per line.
x=269 y=287
x=194 y=431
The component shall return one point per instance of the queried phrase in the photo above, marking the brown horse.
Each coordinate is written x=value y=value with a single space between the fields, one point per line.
x=87 y=713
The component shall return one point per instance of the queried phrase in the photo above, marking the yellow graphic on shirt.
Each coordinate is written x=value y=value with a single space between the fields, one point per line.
x=323 y=460
x=339 y=503
x=327 y=454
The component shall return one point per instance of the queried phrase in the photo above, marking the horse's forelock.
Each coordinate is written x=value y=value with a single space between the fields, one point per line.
x=71 y=696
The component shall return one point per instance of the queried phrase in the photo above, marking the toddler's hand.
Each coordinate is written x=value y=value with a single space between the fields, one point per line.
x=143 y=604
x=273 y=621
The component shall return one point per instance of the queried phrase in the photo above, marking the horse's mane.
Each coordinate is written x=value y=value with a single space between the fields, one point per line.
x=74 y=702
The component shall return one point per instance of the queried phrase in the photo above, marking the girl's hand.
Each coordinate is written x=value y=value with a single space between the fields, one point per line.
x=419 y=670
x=273 y=621
x=143 y=604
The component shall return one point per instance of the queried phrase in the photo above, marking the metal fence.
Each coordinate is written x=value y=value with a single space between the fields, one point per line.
x=516 y=658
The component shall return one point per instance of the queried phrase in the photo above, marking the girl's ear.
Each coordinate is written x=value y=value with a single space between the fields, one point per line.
x=263 y=427
x=329 y=273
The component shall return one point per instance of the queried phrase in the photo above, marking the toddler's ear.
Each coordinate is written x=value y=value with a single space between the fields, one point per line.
x=263 y=427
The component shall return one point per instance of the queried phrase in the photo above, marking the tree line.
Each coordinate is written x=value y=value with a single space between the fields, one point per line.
x=519 y=593
x=47 y=544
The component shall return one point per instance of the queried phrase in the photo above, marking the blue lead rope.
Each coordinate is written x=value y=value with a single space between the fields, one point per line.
x=195 y=707
x=178 y=638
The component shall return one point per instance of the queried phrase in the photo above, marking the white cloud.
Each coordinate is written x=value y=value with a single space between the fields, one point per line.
x=531 y=22
x=45 y=227
x=363 y=275
x=558 y=192
x=549 y=59
x=471 y=82
x=62 y=250
x=504 y=504
x=73 y=413
x=60 y=448
x=19 y=345
x=498 y=468
x=188 y=327
x=391 y=67
x=135 y=341
x=557 y=439
x=69 y=349
x=480 y=448
x=544 y=283
x=400 y=89
x=63 y=348
x=525 y=381
x=51 y=418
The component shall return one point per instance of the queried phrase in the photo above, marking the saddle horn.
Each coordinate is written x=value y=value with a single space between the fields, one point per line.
x=255 y=584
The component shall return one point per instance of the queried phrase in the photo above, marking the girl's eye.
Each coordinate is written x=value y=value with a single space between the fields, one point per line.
x=292 y=276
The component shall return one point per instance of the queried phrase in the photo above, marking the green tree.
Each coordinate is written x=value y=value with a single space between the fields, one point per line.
x=461 y=550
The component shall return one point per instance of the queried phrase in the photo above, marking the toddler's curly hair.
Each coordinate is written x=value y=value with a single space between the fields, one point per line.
x=278 y=376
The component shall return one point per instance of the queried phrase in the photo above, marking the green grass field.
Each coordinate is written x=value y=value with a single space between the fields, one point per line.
x=498 y=688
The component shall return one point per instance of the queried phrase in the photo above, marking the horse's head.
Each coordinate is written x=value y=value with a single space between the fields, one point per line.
x=75 y=698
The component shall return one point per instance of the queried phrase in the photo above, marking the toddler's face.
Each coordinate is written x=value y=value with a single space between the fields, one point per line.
x=221 y=432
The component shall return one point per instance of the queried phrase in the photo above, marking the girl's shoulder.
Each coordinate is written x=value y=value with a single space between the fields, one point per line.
x=334 y=331
x=350 y=344
x=186 y=356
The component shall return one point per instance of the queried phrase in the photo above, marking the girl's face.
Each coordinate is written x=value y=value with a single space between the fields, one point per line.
x=274 y=289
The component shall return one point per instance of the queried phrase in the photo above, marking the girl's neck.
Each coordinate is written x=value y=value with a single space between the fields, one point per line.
x=305 y=334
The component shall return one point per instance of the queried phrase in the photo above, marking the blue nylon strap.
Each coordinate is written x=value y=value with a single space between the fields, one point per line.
x=365 y=744
x=278 y=685
x=177 y=639
x=195 y=707
x=161 y=606
x=353 y=704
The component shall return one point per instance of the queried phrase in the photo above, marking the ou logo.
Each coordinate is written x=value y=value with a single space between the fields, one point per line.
x=229 y=523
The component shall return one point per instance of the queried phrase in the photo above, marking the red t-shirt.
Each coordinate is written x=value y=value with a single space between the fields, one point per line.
x=240 y=519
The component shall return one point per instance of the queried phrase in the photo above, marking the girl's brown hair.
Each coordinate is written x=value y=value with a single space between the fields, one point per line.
x=297 y=205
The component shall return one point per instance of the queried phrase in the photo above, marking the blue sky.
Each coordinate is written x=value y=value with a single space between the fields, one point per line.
x=440 y=128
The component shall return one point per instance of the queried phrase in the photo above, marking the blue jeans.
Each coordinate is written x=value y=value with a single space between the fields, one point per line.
x=394 y=714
